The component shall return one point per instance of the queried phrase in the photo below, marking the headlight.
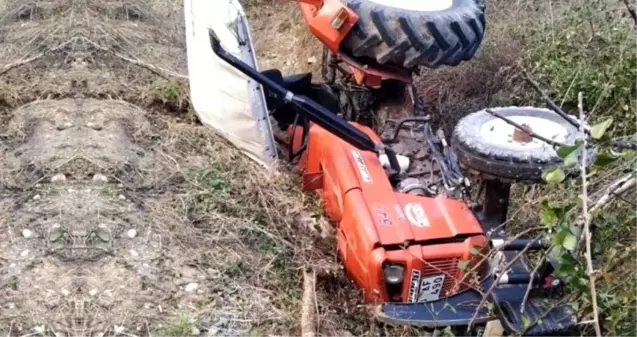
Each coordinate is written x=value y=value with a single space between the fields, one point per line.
x=394 y=273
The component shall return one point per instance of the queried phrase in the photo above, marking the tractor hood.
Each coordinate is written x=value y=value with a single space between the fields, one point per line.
x=398 y=217
x=418 y=219
x=223 y=98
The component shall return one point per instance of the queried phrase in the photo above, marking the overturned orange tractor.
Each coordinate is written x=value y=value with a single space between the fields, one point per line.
x=400 y=246
x=410 y=233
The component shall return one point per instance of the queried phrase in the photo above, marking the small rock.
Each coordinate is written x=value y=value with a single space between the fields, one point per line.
x=131 y=233
x=58 y=178
x=36 y=197
x=312 y=60
x=39 y=329
x=64 y=126
x=24 y=253
x=11 y=305
x=100 y=178
x=103 y=233
x=56 y=232
x=195 y=331
x=190 y=287
x=94 y=126
x=93 y=292
x=134 y=253
x=121 y=197
x=65 y=292
x=27 y=233
x=118 y=328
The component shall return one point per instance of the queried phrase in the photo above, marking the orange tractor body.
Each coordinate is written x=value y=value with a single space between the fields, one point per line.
x=330 y=21
x=377 y=226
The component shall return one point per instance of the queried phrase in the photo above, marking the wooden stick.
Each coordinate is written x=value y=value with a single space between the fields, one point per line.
x=552 y=104
x=308 y=316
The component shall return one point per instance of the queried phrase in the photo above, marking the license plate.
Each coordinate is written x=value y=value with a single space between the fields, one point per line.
x=430 y=288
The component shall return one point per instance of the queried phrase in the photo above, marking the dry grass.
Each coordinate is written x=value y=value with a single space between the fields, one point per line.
x=203 y=213
x=281 y=38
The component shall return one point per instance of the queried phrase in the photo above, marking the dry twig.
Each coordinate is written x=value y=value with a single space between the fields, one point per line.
x=157 y=70
x=631 y=10
x=308 y=315
x=22 y=62
x=551 y=103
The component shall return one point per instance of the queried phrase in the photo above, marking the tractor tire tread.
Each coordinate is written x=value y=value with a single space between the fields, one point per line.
x=408 y=39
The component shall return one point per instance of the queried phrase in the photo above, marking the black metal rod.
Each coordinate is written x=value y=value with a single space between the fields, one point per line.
x=314 y=111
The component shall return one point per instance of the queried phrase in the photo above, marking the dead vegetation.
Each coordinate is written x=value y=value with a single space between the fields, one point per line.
x=121 y=214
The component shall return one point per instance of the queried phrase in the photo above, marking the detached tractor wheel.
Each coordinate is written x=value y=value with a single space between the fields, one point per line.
x=498 y=150
x=412 y=33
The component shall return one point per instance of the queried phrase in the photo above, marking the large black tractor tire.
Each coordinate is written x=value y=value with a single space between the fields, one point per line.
x=410 y=34
x=485 y=144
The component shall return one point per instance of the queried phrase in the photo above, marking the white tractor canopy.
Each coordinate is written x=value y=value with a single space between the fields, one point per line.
x=223 y=98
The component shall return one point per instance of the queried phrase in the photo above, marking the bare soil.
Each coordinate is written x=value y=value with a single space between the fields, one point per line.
x=124 y=216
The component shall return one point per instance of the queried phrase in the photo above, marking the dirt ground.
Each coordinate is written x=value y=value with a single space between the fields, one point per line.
x=124 y=216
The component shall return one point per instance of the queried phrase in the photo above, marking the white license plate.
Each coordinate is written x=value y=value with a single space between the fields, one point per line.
x=430 y=288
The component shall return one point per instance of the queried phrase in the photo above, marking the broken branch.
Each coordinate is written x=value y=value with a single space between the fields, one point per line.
x=157 y=70
x=308 y=315
x=551 y=103
x=631 y=10
x=16 y=64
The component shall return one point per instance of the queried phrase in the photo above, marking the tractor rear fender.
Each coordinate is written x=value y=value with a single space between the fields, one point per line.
x=329 y=20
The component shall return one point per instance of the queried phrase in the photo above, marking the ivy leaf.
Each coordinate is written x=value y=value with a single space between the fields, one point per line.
x=604 y=159
x=569 y=241
x=570 y=154
x=463 y=264
x=554 y=175
x=547 y=214
x=474 y=250
x=598 y=130
x=525 y=321
x=566 y=150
